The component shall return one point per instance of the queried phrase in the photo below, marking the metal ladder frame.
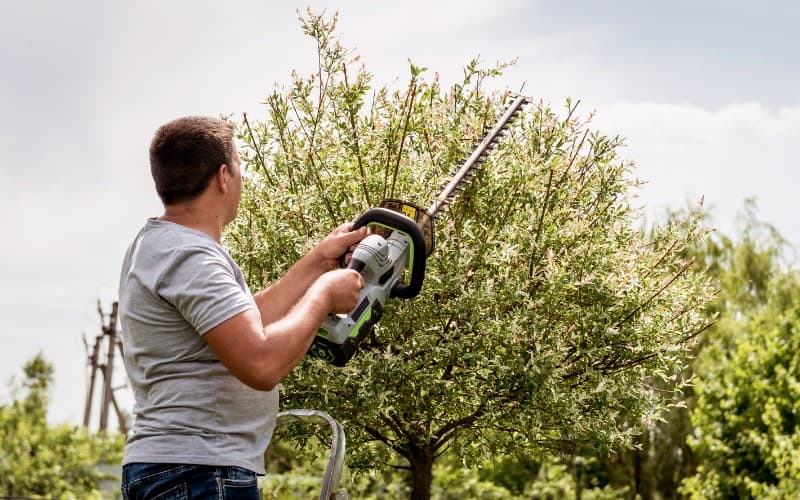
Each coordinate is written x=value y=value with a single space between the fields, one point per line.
x=333 y=470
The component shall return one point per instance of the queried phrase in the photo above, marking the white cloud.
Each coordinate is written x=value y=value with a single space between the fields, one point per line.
x=726 y=155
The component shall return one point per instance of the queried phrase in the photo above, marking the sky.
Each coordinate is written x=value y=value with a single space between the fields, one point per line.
x=706 y=94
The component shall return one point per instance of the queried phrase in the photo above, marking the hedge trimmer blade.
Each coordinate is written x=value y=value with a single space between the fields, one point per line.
x=461 y=177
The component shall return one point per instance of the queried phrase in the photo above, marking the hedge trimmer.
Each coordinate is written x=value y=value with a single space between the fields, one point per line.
x=401 y=241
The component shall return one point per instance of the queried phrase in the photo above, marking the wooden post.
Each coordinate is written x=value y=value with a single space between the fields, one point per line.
x=87 y=410
x=108 y=390
x=109 y=335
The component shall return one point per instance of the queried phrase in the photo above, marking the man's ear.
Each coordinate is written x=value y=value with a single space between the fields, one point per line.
x=221 y=177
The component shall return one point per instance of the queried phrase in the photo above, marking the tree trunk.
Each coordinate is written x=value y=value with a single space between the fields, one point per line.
x=422 y=473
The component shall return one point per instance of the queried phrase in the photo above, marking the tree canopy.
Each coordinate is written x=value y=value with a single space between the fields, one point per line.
x=546 y=311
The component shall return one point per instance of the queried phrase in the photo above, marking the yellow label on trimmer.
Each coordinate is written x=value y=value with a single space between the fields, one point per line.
x=409 y=212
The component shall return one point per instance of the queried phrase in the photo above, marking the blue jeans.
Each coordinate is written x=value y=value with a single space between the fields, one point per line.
x=184 y=482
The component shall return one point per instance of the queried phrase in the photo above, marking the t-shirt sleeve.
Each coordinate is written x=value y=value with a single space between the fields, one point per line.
x=201 y=284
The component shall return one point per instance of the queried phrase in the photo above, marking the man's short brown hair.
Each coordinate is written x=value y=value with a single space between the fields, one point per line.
x=186 y=153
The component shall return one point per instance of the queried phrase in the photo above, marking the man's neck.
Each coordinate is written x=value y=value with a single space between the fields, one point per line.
x=194 y=217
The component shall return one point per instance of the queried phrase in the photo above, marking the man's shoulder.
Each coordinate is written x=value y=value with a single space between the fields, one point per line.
x=170 y=241
x=161 y=247
x=167 y=232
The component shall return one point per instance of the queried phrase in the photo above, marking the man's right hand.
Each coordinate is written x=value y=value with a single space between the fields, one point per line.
x=340 y=288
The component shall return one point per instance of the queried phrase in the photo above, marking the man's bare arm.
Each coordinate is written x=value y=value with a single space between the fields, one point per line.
x=262 y=355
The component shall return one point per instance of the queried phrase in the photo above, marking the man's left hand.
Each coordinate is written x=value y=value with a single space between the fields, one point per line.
x=340 y=242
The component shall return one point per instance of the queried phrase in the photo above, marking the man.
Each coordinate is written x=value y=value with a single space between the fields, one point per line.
x=203 y=355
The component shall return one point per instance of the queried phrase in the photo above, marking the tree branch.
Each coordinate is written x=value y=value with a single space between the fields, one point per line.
x=638 y=308
x=356 y=144
x=413 y=94
x=451 y=427
x=403 y=452
x=257 y=148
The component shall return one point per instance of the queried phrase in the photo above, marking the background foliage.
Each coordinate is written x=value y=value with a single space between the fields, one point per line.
x=746 y=416
x=40 y=460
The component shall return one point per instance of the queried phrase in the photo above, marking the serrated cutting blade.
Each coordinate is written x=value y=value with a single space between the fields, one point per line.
x=484 y=148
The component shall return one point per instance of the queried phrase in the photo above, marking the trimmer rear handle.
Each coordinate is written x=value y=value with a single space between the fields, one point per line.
x=417 y=258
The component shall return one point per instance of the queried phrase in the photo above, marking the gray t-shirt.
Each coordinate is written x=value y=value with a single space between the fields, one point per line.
x=177 y=284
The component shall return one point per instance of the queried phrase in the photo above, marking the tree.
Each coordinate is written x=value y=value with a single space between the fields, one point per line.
x=746 y=424
x=544 y=309
x=37 y=459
